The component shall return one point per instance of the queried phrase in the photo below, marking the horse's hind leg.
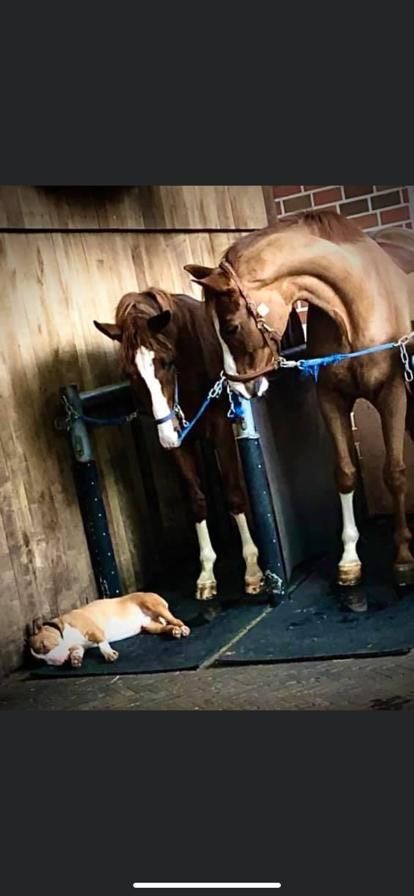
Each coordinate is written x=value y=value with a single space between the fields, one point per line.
x=336 y=410
x=392 y=406
x=206 y=582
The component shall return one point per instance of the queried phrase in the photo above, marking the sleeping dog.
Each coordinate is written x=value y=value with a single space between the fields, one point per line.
x=111 y=619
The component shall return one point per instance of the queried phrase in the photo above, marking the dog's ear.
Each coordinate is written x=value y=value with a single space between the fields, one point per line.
x=36 y=625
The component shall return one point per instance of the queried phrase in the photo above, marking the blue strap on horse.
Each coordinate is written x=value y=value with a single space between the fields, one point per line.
x=311 y=366
x=234 y=414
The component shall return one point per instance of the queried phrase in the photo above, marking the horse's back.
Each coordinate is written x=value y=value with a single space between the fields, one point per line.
x=398 y=243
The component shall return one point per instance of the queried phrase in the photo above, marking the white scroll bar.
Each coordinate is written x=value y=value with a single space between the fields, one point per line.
x=274 y=886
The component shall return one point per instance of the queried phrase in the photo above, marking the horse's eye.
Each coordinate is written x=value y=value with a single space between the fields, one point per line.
x=230 y=329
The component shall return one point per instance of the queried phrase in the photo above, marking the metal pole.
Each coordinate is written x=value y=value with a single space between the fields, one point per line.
x=266 y=529
x=91 y=503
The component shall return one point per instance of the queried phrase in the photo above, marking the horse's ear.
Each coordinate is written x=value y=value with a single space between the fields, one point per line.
x=198 y=271
x=110 y=330
x=212 y=278
x=162 y=298
x=159 y=321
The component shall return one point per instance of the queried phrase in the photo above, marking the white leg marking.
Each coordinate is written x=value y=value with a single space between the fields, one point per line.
x=106 y=651
x=144 y=360
x=253 y=575
x=206 y=582
x=350 y=564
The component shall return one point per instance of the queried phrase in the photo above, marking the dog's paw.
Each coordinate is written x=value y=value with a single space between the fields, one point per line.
x=76 y=658
x=111 y=656
x=180 y=631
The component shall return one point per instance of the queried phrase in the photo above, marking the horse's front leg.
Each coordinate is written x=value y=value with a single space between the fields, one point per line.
x=392 y=407
x=206 y=583
x=233 y=487
x=336 y=410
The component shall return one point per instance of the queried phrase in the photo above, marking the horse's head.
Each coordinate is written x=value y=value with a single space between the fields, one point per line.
x=144 y=328
x=249 y=331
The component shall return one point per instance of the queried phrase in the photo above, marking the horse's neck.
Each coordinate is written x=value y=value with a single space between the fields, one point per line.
x=355 y=283
x=197 y=349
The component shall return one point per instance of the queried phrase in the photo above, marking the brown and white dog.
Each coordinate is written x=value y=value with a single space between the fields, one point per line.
x=111 y=619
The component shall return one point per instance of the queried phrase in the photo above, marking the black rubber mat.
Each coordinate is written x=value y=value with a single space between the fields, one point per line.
x=213 y=625
x=318 y=620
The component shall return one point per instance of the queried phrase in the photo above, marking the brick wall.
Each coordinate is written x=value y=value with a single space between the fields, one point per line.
x=371 y=207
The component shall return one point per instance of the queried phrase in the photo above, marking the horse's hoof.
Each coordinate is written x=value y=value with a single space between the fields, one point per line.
x=404 y=573
x=206 y=590
x=254 y=584
x=349 y=573
x=353 y=599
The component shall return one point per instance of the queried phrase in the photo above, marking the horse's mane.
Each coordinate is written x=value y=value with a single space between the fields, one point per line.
x=326 y=224
x=132 y=314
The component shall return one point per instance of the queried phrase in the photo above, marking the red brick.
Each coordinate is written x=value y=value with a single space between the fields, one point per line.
x=278 y=208
x=326 y=208
x=365 y=221
x=386 y=199
x=351 y=192
x=390 y=187
x=405 y=194
x=280 y=191
x=395 y=214
x=332 y=194
x=297 y=204
x=356 y=207
x=317 y=187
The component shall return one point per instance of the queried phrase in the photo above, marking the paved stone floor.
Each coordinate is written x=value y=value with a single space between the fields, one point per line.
x=385 y=683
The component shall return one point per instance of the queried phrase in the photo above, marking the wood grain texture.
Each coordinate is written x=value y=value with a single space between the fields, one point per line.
x=52 y=286
x=134 y=207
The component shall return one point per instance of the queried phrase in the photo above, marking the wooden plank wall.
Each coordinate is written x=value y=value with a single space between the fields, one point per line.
x=142 y=208
x=52 y=286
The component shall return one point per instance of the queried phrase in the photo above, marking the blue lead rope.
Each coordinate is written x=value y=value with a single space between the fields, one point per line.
x=309 y=367
x=235 y=413
x=312 y=366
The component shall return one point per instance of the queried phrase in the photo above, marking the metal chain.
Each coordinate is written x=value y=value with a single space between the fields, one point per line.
x=216 y=390
x=65 y=423
x=180 y=414
x=231 y=413
x=408 y=373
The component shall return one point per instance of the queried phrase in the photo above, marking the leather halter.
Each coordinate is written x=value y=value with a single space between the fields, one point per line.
x=269 y=336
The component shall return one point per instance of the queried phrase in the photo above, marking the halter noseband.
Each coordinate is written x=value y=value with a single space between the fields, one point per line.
x=176 y=411
x=269 y=336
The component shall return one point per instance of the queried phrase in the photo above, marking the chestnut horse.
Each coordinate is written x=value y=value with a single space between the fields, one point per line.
x=170 y=350
x=358 y=298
